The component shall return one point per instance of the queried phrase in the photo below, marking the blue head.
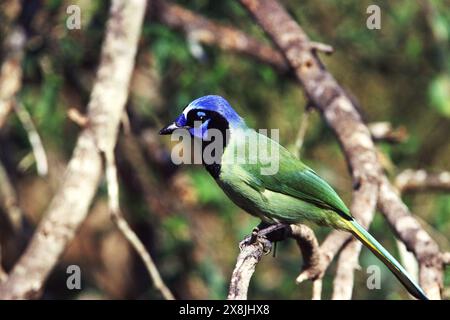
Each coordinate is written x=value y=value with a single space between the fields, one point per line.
x=206 y=113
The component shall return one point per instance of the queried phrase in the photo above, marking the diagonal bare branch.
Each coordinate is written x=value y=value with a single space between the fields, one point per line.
x=69 y=206
x=420 y=180
x=246 y=263
x=206 y=31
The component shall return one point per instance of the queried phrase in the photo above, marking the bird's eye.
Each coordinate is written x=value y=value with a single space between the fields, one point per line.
x=194 y=116
x=201 y=115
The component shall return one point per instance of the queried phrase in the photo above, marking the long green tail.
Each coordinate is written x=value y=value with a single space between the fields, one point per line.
x=393 y=265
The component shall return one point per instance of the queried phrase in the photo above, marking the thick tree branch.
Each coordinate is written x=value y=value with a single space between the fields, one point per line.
x=69 y=206
x=246 y=263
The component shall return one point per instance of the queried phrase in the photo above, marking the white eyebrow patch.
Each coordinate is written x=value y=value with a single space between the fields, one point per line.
x=187 y=109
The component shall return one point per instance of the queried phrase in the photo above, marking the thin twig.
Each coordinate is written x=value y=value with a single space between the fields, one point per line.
x=302 y=131
x=384 y=132
x=33 y=137
x=11 y=71
x=125 y=229
x=408 y=260
x=446 y=258
x=77 y=117
x=8 y=202
x=3 y=274
x=157 y=200
x=321 y=47
x=421 y=180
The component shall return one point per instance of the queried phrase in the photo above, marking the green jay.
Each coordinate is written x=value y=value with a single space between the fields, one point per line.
x=293 y=193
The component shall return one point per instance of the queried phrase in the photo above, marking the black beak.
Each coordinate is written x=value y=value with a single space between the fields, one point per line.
x=169 y=129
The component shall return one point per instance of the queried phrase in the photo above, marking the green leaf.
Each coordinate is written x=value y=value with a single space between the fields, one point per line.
x=439 y=94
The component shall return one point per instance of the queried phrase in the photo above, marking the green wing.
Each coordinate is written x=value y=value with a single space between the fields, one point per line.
x=296 y=179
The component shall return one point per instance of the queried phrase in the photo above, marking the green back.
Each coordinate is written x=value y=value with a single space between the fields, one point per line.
x=293 y=178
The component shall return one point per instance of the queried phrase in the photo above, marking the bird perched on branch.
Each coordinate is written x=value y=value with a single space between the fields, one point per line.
x=274 y=186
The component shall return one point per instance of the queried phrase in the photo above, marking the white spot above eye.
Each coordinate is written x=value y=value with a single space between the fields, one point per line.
x=186 y=110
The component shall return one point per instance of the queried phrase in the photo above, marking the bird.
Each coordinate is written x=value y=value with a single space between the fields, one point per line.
x=292 y=194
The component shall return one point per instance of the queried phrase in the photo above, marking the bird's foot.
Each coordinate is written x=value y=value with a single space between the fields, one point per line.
x=261 y=235
x=262 y=240
x=248 y=240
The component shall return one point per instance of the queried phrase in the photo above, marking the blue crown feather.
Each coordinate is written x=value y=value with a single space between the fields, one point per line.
x=220 y=105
